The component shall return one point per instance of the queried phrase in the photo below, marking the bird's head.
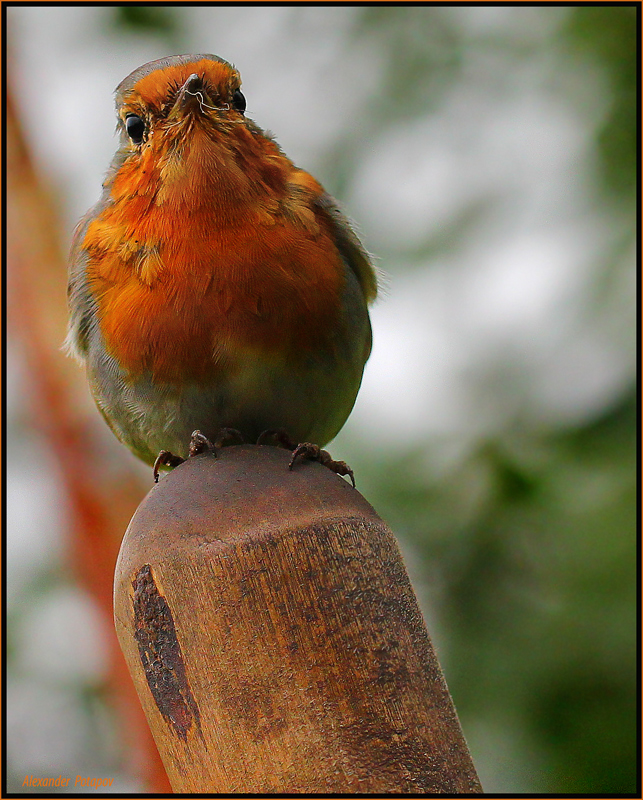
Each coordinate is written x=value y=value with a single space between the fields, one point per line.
x=164 y=99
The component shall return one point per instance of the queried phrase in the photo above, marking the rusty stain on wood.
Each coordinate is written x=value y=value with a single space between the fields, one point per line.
x=161 y=656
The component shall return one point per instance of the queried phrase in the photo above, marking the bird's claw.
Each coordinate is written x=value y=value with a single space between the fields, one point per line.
x=314 y=453
x=229 y=436
x=278 y=436
x=198 y=444
x=165 y=459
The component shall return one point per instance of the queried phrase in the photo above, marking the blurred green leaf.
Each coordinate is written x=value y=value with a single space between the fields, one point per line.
x=148 y=19
x=606 y=35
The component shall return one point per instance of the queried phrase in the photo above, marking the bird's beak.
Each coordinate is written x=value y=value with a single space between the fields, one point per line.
x=191 y=97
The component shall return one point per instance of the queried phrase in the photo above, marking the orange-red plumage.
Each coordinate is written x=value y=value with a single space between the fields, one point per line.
x=210 y=261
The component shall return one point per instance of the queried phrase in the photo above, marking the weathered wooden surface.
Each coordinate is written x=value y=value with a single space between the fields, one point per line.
x=274 y=638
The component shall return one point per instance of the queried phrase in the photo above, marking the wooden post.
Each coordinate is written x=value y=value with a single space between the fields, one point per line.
x=274 y=638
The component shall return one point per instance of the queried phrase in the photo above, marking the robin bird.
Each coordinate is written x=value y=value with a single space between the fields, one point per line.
x=215 y=285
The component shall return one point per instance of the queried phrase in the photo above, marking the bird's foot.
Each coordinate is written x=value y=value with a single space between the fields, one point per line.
x=279 y=437
x=165 y=459
x=306 y=450
x=227 y=437
x=313 y=452
x=198 y=444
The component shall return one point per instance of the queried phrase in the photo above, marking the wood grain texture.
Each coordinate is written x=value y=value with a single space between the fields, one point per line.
x=274 y=638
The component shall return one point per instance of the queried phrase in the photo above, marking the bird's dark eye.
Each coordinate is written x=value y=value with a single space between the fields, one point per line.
x=135 y=128
x=239 y=101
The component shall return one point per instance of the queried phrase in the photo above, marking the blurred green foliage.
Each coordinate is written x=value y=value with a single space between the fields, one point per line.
x=158 y=20
x=532 y=542
x=606 y=35
x=529 y=546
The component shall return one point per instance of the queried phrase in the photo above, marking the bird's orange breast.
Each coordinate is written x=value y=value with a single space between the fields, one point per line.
x=206 y=255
